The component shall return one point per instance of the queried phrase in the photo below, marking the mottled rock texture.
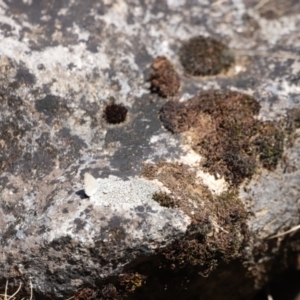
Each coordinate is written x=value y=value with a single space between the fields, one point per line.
x=171 y=216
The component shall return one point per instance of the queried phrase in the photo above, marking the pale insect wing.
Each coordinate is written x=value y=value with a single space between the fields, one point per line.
x=90 y=184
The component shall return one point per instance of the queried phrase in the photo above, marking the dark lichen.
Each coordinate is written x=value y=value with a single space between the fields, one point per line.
x=164 y=199
x=202 y=56
x=224 y=130
x=206 y=245
x=164 y=78
x=115 y=113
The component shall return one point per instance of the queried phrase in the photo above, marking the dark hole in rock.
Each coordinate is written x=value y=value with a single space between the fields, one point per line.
x=164 y=78
x=201 y=56
x=115 y=113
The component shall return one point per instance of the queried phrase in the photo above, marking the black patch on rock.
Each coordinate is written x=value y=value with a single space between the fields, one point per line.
x=115 y=113
x=226 y=132
x=164 y=78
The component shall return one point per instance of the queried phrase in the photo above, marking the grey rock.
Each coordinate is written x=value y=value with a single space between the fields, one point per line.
x=61 y=63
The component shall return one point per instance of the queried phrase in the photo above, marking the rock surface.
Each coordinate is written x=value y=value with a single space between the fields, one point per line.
x=62 y=63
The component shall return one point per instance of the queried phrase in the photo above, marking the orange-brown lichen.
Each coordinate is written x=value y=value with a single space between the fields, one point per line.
x=201 y=56
x=223 y=128
x=164 y=78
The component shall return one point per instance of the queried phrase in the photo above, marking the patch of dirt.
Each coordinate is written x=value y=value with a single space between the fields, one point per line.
x=202 y=56
x=164 y=78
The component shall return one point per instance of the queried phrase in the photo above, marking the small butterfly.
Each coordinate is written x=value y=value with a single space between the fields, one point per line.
x=90 y=184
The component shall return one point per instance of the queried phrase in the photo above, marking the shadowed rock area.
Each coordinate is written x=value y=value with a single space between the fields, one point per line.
x=185 y=112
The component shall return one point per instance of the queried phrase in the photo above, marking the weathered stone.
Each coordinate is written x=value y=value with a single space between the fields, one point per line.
x=62 y=63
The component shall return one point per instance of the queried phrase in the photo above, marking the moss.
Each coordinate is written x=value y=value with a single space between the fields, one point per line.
x=223 y=129
x=164 y=199
x=201 y=56
x=164 y=78
x=269 y=143
x=131 y=281
x=218 y=231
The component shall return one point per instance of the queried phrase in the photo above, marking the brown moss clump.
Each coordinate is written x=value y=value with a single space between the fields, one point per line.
x=202 y=248
x=202 y=56
x=224 y=130
x=115 y=113
x=269 y=144
x=218 y=231
x=164 y=199
x=164 y=78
